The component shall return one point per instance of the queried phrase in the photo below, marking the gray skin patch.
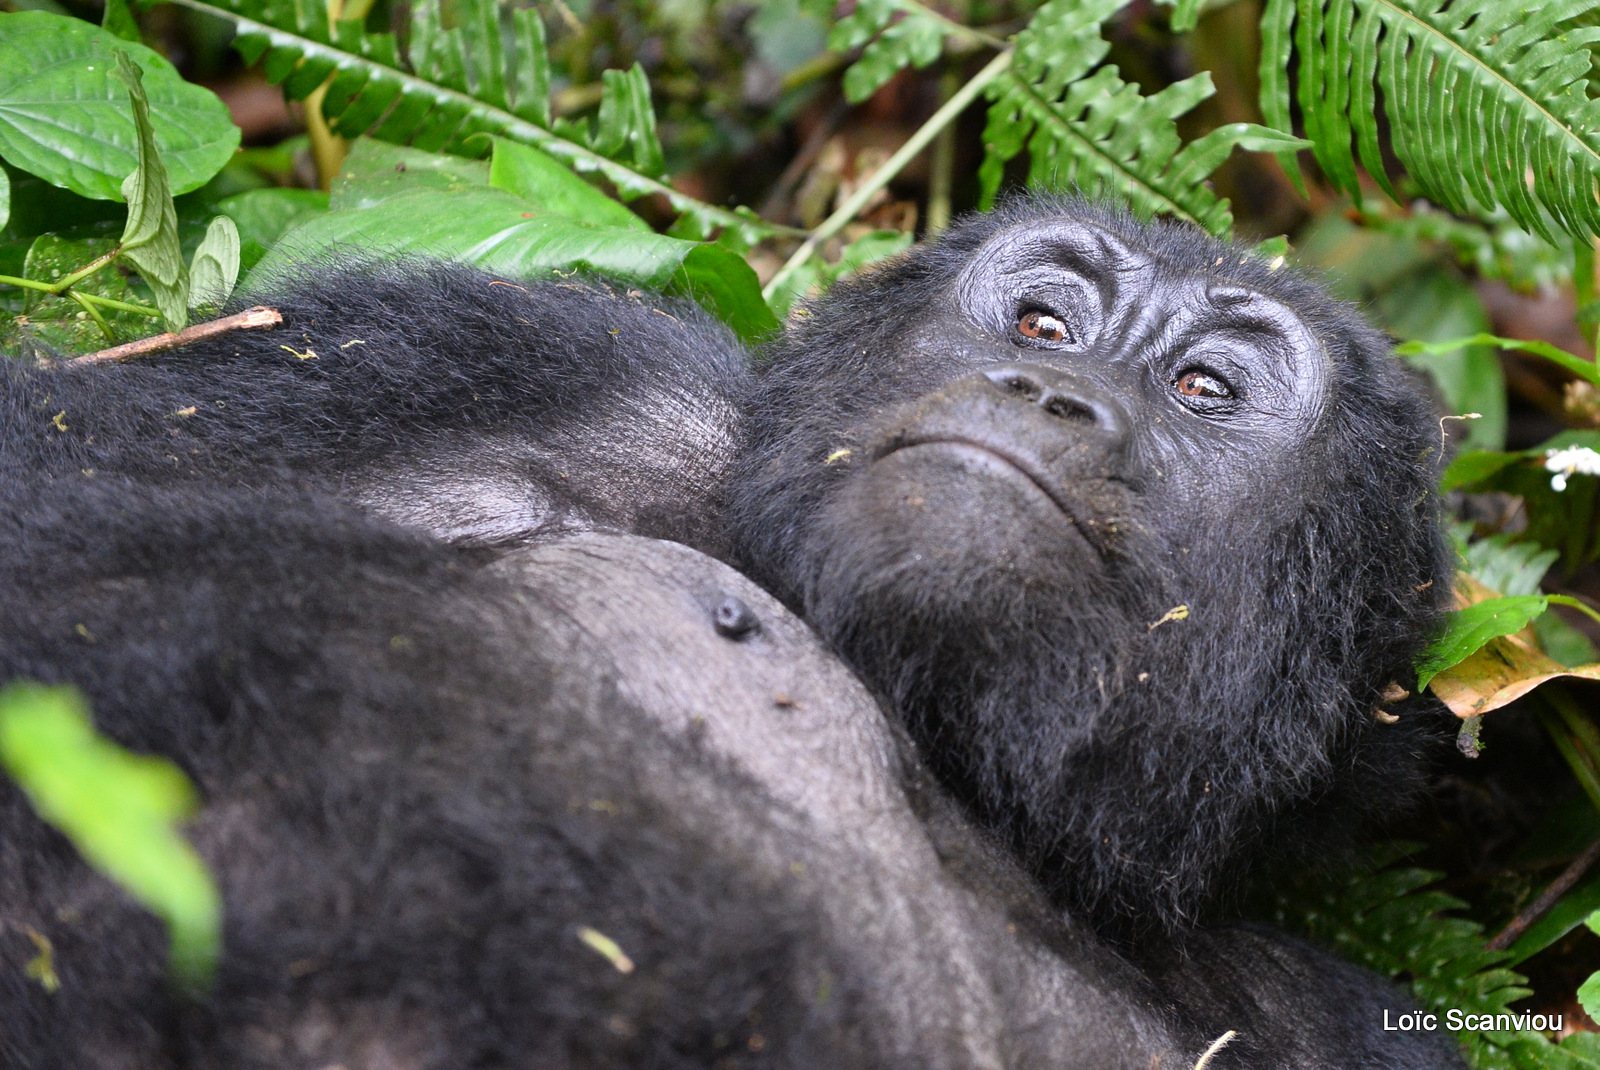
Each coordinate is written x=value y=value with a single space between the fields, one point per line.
x=958 y=982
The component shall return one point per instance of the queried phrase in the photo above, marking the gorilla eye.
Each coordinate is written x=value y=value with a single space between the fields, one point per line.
x=1197 y=384
x=1043 y=325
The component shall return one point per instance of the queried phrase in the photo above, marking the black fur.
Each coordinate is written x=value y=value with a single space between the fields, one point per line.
x=354 y=576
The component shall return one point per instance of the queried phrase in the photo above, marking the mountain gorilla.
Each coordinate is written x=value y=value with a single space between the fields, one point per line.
x=1123 y=530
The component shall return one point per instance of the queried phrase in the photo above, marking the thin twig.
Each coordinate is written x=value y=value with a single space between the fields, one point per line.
x=260 y=316
x=1547 y=899
x=893 y=166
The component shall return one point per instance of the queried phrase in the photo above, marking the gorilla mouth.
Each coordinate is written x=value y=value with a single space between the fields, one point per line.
x=1025 y=467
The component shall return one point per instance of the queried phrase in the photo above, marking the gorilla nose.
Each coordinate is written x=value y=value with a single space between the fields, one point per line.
x=1059 y=394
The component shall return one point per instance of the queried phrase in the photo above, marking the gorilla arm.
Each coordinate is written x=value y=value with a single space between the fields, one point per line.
x=480 y=410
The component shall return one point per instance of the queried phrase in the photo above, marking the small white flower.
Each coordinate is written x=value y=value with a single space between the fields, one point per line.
x=1565 y=462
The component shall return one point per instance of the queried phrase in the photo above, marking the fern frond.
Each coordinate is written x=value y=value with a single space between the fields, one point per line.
x=897 y=34
x=1099 y=134
x=451 y=89
x=1388 y=920
x=1487 y=100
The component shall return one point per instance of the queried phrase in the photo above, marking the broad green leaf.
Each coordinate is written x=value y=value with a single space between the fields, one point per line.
x=1486 y=101
x=1099 y=135
x=1433 y=302
x=719 y=280
x=1474 y=466
x=263 y=215
x=425 y=97
x=118 y=21
x=118 y=809
x=215 y=266
x=150 y=239
x=1468 y=629
x=504 y=234
x=64 y=118
x=543 y=182
x=374 y=171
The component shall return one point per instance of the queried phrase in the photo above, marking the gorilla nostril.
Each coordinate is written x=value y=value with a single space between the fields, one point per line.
x=1068 y=408
x=1016 y=383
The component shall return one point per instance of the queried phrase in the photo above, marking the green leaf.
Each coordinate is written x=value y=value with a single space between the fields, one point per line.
x=263 y=215
x=118 y=809
x=503 y=234
x=374 y=171
x=1511 y=568
x=1474 y=466
x=626 y=127
x=61 y=323
x=64 y=118
x=1467 y=630
x=150 y=239
x=1575 y=908
x=1097 y=134
x=541 y=181
x=215 y=266
x=1589 y=995
x=118 y=21
x=1576 y=365
x=815 y=275
x=1432 y=302
x=423 y=96
x=1486 y=101
x=5 y=198
x=897 y=34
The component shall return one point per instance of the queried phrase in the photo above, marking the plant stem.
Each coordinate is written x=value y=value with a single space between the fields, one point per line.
x=105 y=328
x=53 y=288
x=60 y=285
x=942 y=172
x=893 y=166
x=1568 y=600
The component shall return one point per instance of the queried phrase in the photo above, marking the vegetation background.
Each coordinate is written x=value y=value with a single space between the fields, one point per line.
x=1439 y=159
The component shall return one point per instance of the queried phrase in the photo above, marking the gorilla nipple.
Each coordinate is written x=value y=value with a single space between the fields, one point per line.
x=734 y=620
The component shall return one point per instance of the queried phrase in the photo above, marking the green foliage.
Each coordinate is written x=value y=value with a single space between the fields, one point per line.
x=1573 y=909
x=452 y=88
x=1084 y=127
x=1467 y=630
x=1486 y=100
x=1390 y=921
x=897 y=34
x=412 y=202
x=150 y=238
x=119 y=810
x=816 y=276
x=65 y=117
x=1501 y=564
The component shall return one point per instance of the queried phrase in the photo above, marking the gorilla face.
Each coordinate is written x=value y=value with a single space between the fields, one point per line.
x=1129 y=528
